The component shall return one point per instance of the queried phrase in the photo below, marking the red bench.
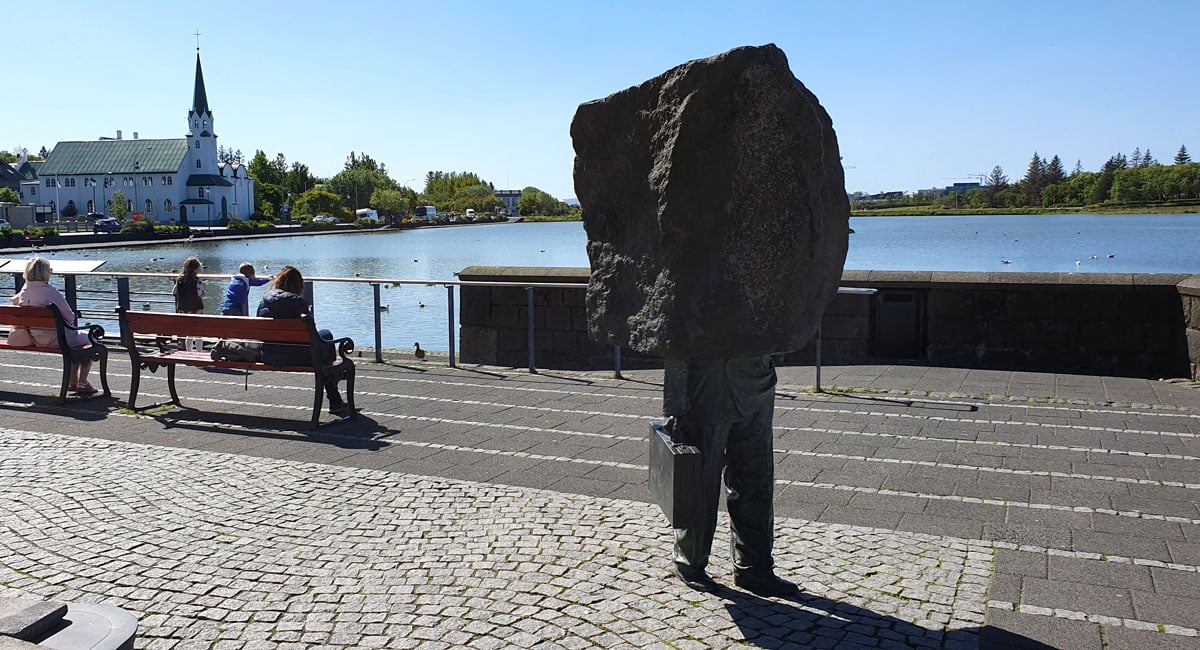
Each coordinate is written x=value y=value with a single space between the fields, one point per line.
x=163 y=329
x=51 y=318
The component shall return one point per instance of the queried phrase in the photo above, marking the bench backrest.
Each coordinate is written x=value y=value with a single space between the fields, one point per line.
x=269 y=330
x=27 y=317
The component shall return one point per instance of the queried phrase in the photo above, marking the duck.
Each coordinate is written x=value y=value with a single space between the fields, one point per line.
x=418 y=353
x=421 y=305
x=1006 y=261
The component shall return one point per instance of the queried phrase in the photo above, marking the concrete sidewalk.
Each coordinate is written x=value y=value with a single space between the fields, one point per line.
x=484 y=507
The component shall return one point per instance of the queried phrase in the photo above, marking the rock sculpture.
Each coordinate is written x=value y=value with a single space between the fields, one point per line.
x=714 y=203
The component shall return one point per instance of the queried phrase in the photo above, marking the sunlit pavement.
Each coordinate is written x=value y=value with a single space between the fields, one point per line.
x=484 y=507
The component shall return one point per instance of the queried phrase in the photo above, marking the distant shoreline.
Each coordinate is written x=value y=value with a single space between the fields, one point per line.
x=924 y=211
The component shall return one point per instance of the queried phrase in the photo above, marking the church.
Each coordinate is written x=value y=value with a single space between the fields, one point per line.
x=167 y=181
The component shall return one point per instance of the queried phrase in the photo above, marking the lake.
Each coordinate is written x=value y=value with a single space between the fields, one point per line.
x=1034 y=243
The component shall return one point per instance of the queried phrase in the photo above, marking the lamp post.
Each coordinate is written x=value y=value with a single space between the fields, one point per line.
x=93 y=181
x=107 y=184
x=208 y=197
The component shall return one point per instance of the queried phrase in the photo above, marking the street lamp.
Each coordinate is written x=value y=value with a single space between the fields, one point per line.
x=137 y=166
x=107 y=184
x=208 y=197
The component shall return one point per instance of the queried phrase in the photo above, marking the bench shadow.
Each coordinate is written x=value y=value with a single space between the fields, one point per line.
x=792 y=623
x=361 y=433
x=24 y=402
x=933 y=406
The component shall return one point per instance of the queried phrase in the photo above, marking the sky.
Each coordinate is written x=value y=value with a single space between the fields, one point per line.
x=922 y=94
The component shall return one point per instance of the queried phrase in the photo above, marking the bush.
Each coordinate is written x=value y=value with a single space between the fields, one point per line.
x=138 y=226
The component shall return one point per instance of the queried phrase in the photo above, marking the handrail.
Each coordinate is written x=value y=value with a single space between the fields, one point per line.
x=124 y=299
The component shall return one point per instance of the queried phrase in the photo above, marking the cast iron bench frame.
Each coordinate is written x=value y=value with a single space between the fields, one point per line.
x=51 y=318
x=164 y=328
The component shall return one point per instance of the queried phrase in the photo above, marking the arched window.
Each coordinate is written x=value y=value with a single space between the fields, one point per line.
x=53 y=207
x=91 y=206
x=198 y=165
x=168 y=206
x=149 y=206
x=71 y=205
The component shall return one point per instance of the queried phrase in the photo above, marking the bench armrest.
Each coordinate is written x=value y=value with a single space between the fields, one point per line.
x=94 y=332
x=344 y=346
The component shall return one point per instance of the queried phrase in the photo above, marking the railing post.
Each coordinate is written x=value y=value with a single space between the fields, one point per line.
x=123 y=297
x=378 y=324
x=617 y=360
x=308 y=297
x=529 y=318
x=18 y=282
x=71 y=292
x=450 y=312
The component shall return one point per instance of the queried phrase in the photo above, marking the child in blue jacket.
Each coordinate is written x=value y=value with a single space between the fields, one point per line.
x=237 y=294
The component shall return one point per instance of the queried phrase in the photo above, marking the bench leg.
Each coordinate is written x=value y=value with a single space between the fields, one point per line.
x=318 y=396
x=350 y=394
x=171 y=384
x=135 y=381
x=66 y=380
x=104 y=372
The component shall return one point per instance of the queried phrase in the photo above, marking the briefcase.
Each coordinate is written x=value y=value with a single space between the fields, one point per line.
x=674 y=474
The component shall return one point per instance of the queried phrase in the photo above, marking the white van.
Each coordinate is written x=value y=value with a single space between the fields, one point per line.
x=426 y=212
x=368 y=214
x=470 y=214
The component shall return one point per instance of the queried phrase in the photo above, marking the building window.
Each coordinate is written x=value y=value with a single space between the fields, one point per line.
x=49 y=182
x=197 y=164
x=149 y=206
x=33 y=190
x=197 y=144
x=71 y=206
x=70 y=182
x=91 y=206
x=168 y=206
x=108 y=181
x=167 y=180
x=53 y=207
x=147 y=181
x=127 y=181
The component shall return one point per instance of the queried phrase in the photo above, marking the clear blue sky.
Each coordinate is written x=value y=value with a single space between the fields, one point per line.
x=921 y=93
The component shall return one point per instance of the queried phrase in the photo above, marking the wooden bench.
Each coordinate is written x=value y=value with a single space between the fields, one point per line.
x=158 y=332
x=35 y=241
x=50 y=318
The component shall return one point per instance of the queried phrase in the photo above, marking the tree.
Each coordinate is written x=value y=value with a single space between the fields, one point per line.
x=118 y=205
x=995 y=182
x=396 y=202
x=316 y=201
x=9 y=157
x=1034 y=181
x=229 y=156
x=298 y=179
x=1054 y=171
x=536 y=202
x=1135 y=158
x=1078 y=167
x=1182 y=157
x=9 y=195
x=1147 y=159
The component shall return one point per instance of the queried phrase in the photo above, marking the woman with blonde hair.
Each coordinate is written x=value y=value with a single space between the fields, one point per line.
x=189 y=288
x=38 y=292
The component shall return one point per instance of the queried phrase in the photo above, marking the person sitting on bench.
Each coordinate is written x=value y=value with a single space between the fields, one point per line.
x=284 y=300
x=38 y=292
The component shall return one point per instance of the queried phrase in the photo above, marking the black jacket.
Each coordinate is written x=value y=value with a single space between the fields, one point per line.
x=284 y=304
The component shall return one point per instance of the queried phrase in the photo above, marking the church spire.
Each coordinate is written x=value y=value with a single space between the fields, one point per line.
x=199 y=97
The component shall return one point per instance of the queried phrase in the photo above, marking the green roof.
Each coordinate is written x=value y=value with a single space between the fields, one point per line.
x=116 y=156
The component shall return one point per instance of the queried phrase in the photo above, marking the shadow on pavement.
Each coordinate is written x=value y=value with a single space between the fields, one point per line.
x=360 y=433
x=780 y=624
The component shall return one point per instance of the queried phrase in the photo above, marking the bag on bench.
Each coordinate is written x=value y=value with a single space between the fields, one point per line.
x=232 y=350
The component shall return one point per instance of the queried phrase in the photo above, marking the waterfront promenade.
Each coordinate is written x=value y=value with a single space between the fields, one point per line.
x=489 y=508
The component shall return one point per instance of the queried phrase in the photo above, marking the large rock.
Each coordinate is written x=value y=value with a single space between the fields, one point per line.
x=715 y=207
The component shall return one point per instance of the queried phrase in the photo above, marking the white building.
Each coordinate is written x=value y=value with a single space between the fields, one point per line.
x=166 y=181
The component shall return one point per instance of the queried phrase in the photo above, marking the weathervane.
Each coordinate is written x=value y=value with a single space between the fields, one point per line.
x=197 y=40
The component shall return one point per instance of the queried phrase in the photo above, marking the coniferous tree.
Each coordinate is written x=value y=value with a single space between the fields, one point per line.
x=1078 y=167
x=1182 y=157
x=995 y=182
x=1135 y=158
x=1147 y=159
x=1054 y=171
x=1034 y=181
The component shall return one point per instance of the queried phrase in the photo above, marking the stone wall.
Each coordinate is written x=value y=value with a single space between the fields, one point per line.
x=1139 y=325
x=1189 y=292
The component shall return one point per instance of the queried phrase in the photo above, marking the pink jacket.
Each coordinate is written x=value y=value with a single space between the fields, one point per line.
x=42 y=294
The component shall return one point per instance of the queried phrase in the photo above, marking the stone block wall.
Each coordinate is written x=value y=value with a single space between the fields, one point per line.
x=1140 y=325
x=1189 y=292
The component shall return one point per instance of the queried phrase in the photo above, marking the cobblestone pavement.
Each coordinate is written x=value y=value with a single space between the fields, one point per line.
x=481 y=507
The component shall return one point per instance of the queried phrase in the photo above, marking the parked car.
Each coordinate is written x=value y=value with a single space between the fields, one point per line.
x=324 y=218
x=107 y=224
x=5 y=224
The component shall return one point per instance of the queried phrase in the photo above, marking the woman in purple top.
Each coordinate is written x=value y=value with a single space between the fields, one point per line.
x=38 y=292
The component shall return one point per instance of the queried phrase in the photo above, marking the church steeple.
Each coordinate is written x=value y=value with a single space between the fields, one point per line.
x=199 y=97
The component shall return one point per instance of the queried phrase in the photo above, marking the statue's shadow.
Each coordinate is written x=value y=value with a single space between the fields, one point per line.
x=809 y=621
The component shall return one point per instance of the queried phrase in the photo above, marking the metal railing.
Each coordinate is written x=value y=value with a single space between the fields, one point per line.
x=124 y=296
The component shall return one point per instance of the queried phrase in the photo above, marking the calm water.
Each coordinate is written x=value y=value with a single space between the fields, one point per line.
x=1136 y=244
